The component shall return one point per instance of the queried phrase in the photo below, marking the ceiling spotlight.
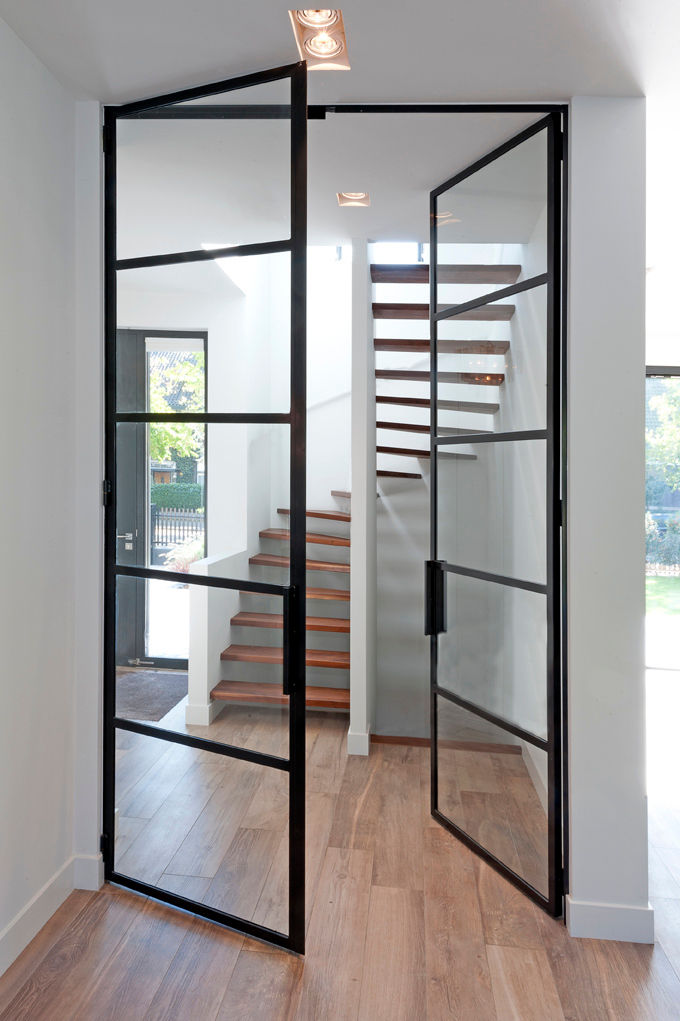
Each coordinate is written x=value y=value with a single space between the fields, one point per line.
x=317 y=19
x=320 y=39
x=353 y=198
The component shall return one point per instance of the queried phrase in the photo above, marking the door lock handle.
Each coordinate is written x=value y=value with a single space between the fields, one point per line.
x=128 y=536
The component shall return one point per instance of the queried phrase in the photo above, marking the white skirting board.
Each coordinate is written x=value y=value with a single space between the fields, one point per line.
x=81 y=872
x=358 y=743
x=610 y=921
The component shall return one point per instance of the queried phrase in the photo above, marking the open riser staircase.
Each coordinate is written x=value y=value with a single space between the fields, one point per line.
x=252 y=661
x=473 y=354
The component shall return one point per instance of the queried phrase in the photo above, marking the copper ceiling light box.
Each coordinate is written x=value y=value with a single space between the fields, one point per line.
x=320 y=38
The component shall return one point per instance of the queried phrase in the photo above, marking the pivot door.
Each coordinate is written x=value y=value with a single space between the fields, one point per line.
x=493 y=579
x=204 y=797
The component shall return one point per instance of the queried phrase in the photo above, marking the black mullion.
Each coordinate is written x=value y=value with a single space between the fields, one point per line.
x=202 y=744
x=237 y=584
x=499 y=721
x=522 y=434
x=545 y=108
x=296 y=637
x=205 y=255
x=492 y=156
x=451 y=311
x=496 y=579
x=434 y=514
x=201 y=91
x=205 y=417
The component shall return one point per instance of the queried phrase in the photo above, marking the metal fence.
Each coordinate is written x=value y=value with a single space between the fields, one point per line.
x=171 y=526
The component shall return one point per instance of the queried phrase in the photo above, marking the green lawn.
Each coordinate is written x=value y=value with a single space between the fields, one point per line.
x=663 y=595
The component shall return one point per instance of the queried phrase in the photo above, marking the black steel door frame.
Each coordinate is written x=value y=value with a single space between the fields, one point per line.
x=293 y=594
x=555 y=435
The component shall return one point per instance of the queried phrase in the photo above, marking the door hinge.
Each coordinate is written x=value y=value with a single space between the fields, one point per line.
x=105 y=846
x=106 y=492
x=435 y=597
x=106 y=139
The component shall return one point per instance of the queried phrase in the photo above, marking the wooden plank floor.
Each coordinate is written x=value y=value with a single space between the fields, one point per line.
x=403 y=921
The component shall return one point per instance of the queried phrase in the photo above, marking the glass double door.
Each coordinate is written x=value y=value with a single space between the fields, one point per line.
x=493 y=580
x=204 y=742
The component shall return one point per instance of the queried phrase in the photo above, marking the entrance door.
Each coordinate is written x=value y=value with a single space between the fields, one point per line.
x=493 y=580
x=204 y=786
x=161 y=519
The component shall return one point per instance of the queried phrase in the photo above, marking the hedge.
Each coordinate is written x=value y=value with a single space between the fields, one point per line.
x=182 y=495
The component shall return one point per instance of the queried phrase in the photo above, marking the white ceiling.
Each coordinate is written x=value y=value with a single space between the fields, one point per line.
x=434 y=49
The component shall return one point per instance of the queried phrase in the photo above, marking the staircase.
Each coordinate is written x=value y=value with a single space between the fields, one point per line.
x=327 y=624
x=471 y=388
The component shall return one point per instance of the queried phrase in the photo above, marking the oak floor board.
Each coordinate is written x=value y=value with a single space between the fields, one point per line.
x=240 y=879
x=193 y=887
x=149 y=856
x=508 y=917
x=261 y=987
x=70 y=969
x=457 y=970
x=203 y=847
x=355 y=821
x=126 y=984
x=195 y=983
x=523 y=985
x=327 y=755
x=393 y=979
x=144 y=798
x=337 y=932
x=127 y=831
x=31 y=958
x=397 y=861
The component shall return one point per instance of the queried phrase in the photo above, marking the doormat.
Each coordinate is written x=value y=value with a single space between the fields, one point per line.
x=149 y=694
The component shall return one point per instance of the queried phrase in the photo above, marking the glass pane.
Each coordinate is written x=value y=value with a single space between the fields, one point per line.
x=662 y=522
x=492 y=507
x=215 y=171
x=206 y=499
x=494 y=652
x=208 y=827
x=494 y=786
x=492 y=227
x=240 y=305
x=197 y=660
x=492 y=369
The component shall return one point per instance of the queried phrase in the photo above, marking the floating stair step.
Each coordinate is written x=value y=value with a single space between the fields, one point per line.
x=275 y=620
x=479 y=407
x=462 y=347
x=423 y=376
x=318 y=538
x=340 y=595
x=419 y=273
x=272 y=694
x=328 y=515
x=411 y=452
x=412 y=427
x=273 y=560
x=421 y=310
x=398 y=475
x=274 y=654
x=342 y=494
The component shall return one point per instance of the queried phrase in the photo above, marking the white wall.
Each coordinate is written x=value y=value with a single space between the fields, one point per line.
x=608 y=829
x=37 y=512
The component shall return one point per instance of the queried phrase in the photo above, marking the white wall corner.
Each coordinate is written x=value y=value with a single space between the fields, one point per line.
x=202 y=715
x=88 y=872
x=629 y=923
x=19 y=932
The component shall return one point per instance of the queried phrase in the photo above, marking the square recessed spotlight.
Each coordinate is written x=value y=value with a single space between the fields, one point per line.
x=353 y=198
x=320 y=38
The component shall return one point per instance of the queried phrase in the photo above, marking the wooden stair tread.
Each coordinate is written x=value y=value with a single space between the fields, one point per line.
x=419 y=273
x=272 y=694
x=423 y=376
x=274 y=560
x=328 y=515
x=340 y=595
x=424 y=402
x=463 y=347
x=421 y=310
x=246 y=618
x=398 y=475
x=412 y=452
x=274 y=654
x=283 y=534
x=342 y=494
x=413 y=427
